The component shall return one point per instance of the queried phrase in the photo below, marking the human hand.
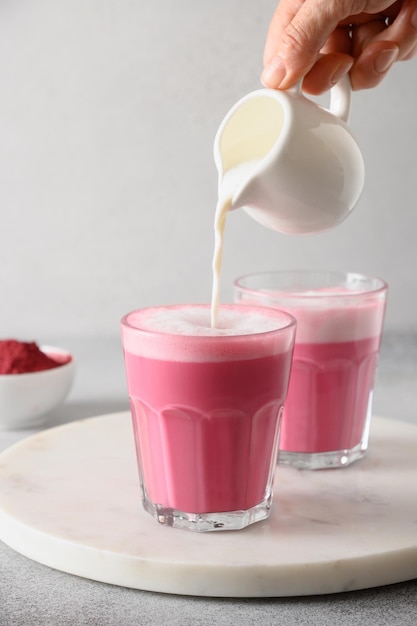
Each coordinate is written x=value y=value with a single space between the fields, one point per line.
x=322 y=40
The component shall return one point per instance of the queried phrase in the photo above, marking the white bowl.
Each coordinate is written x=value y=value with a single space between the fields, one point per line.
x=26 y=398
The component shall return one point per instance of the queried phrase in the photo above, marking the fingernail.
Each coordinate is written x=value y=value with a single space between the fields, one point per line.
x=274 y=73
x=385 y=59
x=340 y=72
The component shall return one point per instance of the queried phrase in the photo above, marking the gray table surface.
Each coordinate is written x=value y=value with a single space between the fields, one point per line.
x=32 y=594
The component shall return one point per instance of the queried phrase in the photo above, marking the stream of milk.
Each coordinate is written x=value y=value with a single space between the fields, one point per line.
x=229 y=184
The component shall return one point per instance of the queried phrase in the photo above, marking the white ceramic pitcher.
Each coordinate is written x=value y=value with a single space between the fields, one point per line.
x=293 y=165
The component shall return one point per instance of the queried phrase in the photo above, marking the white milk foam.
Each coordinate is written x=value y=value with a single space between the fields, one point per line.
x=339 y=323
x=194 y=320
x=351 y=317
x=184 y=333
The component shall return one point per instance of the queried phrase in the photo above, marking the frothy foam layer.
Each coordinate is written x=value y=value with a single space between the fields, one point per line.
x=184 y=332
x=337 y=320
x=195 y=321
x=329 y=307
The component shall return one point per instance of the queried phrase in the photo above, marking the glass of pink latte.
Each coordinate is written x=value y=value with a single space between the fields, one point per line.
x=206 y=407
x=340 y=318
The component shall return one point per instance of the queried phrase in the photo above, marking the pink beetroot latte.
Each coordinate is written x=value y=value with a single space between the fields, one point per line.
x=339 y=326
x=206 y=406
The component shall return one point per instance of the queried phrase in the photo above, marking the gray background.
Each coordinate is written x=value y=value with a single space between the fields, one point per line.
x=108 y=111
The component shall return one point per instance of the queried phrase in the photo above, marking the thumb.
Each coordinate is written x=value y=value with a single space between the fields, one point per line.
x=297 y=32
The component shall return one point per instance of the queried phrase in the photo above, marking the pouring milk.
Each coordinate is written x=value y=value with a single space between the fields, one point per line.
x=227 y=189
x=291 y=164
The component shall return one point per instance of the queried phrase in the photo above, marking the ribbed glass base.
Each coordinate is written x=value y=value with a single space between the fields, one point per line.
x=205 y=522
x=322 y=460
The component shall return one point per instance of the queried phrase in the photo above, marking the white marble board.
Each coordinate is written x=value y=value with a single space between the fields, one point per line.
x=69 y=498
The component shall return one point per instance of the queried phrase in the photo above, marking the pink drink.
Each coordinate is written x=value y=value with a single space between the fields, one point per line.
x=206 y=406
x=328 y=407
x=333 y=375
x=337 y=378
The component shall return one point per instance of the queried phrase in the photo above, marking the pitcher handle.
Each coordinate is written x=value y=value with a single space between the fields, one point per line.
x=340 y=97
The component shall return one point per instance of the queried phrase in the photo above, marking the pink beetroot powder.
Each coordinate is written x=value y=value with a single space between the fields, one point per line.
x=20 y=357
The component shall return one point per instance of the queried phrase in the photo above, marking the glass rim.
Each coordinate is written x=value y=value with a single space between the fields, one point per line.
x=381 y=286
x=290 y=322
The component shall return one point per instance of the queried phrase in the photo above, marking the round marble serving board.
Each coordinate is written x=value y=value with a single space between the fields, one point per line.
x=69 y=498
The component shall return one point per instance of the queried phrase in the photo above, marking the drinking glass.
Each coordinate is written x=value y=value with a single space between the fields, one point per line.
x=340 y=318
x=206 y=407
